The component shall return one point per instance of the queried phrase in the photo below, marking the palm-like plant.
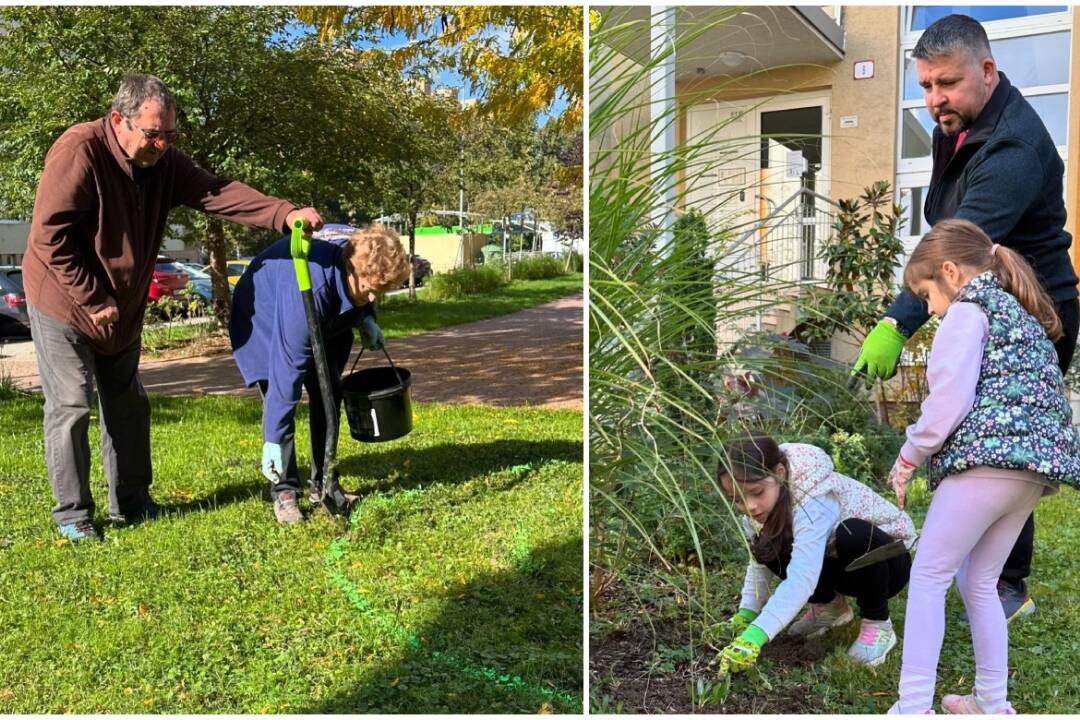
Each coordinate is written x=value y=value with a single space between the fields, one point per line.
x=661 y=305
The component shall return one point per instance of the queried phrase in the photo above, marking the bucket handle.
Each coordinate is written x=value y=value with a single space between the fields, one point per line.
x=392 y=367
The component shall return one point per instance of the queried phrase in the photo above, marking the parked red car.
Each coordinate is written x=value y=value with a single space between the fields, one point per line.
x=14 y=320
x=169 y=279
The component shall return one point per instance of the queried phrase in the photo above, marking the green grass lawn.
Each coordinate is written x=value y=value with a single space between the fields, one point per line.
x=816 y=676
x=455 y=586
x=399 y=317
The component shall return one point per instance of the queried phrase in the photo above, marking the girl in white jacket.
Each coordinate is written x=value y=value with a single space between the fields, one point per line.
x=806 y=523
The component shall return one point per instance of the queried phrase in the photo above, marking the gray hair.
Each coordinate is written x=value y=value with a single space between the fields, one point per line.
x=951 y=34
x=135 y=89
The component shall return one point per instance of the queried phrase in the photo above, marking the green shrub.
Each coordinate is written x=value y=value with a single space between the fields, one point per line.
x=538 y=267
x=850 y=456
x=466 y=281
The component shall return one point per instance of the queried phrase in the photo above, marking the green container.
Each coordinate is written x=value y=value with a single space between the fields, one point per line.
x=491 y=253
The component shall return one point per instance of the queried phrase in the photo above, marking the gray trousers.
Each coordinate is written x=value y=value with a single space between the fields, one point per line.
x=69 y=368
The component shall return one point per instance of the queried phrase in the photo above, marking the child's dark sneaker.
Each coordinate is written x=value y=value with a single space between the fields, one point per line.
x=287 y=509
x=78 y=531
x=820 y=618
x=970 y=705
x=1015 y=601
x=876 y=639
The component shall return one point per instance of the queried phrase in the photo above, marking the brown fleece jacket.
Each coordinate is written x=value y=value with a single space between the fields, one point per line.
x=98 y=222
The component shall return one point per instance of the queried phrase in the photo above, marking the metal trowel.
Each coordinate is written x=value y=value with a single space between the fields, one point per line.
x=879 y=554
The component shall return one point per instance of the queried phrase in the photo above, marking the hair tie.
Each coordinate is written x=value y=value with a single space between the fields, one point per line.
x=993 y=249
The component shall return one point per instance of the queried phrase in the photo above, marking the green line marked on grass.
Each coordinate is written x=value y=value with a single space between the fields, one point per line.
x=387 y=622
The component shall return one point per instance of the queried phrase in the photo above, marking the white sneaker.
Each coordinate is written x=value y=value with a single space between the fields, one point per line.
x=821 y=618
x=876 y=639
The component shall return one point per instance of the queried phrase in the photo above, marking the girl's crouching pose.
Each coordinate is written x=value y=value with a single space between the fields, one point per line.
x=806 y=523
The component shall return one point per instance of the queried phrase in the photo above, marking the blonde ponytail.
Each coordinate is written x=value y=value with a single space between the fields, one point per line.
x=1017 y=277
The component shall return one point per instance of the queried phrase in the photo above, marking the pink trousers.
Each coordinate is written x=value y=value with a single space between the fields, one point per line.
x=972 y=524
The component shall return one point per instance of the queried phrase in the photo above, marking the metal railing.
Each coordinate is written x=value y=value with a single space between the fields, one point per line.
x=783 y=249
x=787 y=244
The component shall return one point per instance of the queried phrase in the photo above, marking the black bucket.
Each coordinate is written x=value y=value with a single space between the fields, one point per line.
x=377 y=403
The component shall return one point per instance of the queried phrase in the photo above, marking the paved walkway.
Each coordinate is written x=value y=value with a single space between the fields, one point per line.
x=532 y=357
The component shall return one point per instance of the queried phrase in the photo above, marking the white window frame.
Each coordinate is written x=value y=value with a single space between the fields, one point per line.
x=1010 y=27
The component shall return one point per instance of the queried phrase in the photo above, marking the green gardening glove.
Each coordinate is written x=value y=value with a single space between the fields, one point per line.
x=880 y=352
x=741 y=620
x=726 y=631
x=742 y=654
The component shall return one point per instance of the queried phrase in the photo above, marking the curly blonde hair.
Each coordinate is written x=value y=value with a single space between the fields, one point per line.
x=375 y=253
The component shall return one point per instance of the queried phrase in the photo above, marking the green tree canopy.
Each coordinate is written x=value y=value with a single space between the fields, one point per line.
x=294 y=118
x=522 y=58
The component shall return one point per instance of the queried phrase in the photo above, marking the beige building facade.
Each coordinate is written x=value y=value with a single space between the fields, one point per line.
x=792 y=108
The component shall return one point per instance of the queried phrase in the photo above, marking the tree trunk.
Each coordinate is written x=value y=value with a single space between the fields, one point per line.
x=412 y=254
x=219 y=276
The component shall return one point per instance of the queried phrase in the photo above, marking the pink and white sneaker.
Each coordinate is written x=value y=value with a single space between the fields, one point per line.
x=876 y=639
x=819 y=619
x=970 y=705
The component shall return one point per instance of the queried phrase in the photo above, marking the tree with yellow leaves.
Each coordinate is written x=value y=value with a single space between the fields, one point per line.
x=522 y=58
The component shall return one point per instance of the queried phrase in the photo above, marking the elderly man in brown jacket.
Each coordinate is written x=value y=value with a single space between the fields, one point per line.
x=102 y=205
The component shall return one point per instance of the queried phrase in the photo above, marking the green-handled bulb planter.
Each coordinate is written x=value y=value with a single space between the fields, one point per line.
x=298 y=248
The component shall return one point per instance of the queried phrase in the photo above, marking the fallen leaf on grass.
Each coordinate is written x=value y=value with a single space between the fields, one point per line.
x=142 y=611
x=546 y=709
x=394 y=682
x=7 y=694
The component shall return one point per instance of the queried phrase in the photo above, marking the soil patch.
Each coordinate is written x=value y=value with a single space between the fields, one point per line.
x=645 y=667
x=216 y=343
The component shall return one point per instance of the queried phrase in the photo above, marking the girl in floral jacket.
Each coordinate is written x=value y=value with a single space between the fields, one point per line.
x=997 y=430
x=806 y=523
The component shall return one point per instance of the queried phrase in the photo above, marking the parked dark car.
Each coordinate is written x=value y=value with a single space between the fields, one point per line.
x=14 y=320
x=422 y=270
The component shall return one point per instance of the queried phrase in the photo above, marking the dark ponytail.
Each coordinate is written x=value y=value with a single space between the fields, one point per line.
x=748 y=459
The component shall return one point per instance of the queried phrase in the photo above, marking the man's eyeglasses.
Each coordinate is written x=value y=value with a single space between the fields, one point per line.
x=154 y=135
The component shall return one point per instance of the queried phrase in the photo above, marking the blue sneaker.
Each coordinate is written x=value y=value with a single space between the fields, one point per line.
x=78 y=531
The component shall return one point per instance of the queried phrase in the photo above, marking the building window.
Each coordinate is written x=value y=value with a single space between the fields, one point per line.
x=922 y=16
x=912 y=200
x=1028 y=61
x=1054 y=111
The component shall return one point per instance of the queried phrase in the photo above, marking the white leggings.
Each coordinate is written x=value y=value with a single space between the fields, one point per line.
x=973 y=522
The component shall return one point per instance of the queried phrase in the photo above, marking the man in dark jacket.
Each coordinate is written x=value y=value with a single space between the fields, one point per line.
x=102 y=205
x=996 y=165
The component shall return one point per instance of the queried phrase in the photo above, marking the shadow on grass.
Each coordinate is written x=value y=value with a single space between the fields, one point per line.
x=404 y=467
x=441 y=463
x=503 y=642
